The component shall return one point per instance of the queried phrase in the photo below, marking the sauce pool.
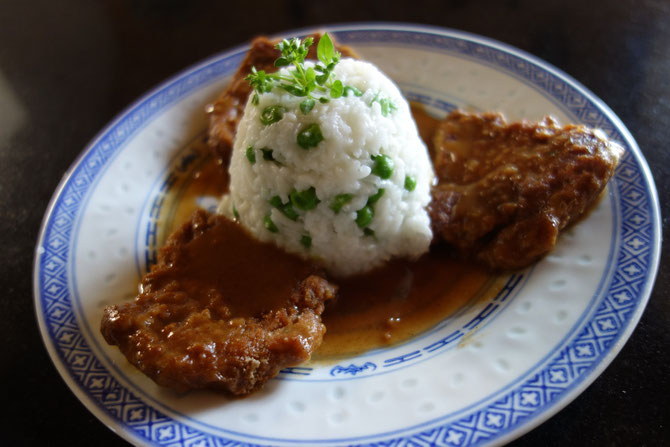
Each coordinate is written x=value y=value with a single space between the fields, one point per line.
x=380 y=308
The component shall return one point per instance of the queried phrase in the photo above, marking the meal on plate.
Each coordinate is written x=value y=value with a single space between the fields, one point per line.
x=331 y=184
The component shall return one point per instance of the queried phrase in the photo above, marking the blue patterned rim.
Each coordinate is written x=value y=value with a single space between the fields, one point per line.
x=554 y=382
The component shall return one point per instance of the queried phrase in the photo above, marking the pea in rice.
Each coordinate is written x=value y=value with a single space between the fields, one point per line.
x=346 y=183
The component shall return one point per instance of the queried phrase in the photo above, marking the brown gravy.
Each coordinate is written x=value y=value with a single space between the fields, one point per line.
x=380 y=308
x=209 y=179
x=220 y=310
x=426 y=124
x=236 y=266
x=399 y=301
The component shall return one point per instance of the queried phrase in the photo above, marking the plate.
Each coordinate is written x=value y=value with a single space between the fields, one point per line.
x=488 y=372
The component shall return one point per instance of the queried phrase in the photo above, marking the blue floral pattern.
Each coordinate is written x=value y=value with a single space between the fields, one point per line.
x=552 y=382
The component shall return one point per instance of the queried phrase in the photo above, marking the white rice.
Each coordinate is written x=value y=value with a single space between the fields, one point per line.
x=354 y=130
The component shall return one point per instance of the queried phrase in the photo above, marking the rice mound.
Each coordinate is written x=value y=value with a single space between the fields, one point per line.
x=267 y=163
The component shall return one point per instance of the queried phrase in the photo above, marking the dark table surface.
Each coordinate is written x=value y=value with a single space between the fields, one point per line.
x=68 y=67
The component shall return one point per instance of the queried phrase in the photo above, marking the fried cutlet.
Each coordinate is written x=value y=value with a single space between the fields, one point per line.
x=220 y=310
x=505 y=191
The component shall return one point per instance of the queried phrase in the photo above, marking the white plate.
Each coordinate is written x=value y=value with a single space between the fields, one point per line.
x=488 y=373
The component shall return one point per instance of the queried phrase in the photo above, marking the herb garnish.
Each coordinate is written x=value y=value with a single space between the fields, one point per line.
x=387 y=105
x=314 y=83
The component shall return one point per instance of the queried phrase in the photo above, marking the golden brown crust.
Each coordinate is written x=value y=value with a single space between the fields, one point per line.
x=185 y=331
x=506 y=190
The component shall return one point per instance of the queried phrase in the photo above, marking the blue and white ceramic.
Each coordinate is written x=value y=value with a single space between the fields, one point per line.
x=483 y=376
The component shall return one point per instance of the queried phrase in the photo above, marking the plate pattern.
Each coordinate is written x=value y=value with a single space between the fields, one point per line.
x=567 y=368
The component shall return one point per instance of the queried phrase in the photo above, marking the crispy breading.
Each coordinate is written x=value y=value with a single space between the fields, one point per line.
x=197 y=322
x=505 y=191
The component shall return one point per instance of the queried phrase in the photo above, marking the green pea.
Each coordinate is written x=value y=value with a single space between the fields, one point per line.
x=410 y=183
x=364 y=216
x=310 y=136
x=373 y=198
x=383 y=166
x=272 y=114
x=306 y=241
x=307 y=105
x=285 y=208
x=304 y=200
x=270 y=225
x=339 y=201
x=251 y=155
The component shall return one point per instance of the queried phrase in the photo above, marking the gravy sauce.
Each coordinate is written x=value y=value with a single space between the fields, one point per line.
x=382 y=307
x=426 y=124
x=399 y=301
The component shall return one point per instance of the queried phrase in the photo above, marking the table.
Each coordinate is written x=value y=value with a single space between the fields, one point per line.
x=66 y=69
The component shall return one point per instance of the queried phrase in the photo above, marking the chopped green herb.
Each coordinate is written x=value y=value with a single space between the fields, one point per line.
x=270 y=225
x=323 y=100
x=386 y=104
x=325 y=50
x=236 y=215
x=260 y=81
x=300 y=80
x=306 y=241
x=267 y=154
x=307 y=105
x=383 y=166
x=285 y=208
x=292 y=51
x=251 y=155
x=272 y=114
x=364 y=216
x=352 y=89
x=410 y=183
x=372 y=199
x=310 y=136
x=304 y=200
x=368 y=231
x=339 y=201
x=337 y=89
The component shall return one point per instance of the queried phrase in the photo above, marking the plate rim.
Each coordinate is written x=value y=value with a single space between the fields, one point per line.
x=502 y=437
